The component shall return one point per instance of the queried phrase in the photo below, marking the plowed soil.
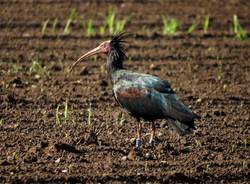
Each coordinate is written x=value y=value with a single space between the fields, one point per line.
x=209 y=72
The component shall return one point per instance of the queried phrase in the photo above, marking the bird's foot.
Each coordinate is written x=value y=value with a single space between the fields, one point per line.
x=138 y=143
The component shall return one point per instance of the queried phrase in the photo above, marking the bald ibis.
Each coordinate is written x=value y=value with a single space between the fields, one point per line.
x=143 y=96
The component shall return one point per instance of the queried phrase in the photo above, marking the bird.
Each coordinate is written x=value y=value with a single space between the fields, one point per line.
x=143 y=96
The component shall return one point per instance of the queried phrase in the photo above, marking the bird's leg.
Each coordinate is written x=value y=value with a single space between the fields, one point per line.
x=138 y=141
x=152 y=134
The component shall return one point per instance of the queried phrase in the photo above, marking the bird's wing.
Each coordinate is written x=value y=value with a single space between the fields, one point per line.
x=173 y=106
x=144 y=88
x=148 y=81
x=176 y=110
x=138 y=100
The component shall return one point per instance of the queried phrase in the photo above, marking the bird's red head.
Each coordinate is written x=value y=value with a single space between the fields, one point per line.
x=116 y=43
x=104 y=47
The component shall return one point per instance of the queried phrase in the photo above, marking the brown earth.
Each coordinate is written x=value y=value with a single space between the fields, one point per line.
x=210 y=72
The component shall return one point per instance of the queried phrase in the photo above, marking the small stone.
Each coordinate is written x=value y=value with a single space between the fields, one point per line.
x=64 y=171
x=58 y=160
x=154 y=67
x=37 y=76
x=131 y=155
x=148 y=155
x=124 y=158
x=33 y=86
x=26 y=35
x=160 y=134
x=132 y=140
x=198 y=100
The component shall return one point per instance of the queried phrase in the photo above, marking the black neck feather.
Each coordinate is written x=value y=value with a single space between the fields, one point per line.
x=116 y=55
x=115 y=60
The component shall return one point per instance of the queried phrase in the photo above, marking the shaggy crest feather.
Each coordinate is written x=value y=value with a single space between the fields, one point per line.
x=118 y=43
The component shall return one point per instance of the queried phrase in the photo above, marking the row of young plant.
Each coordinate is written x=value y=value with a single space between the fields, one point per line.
x=112 y=25
x=170 y=27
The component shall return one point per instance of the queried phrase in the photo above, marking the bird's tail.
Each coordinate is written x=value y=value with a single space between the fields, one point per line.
x=179 y=127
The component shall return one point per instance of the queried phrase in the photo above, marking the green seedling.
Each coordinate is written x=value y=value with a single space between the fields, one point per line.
x=242 y=103
x=14 y=156
x=245 y=143
x=192 y=28
x=67 y=30
x=95 y=58
x=198 y=142
x=144 y=28
x=206 y=24
x=207 y=168
x=239 y=31
x=120 y=120
x=89 y=115
x=1 y=122
x=44 y=26
x=57 y=116
x=130 y=59
x=169 y=26
x=245 y=164
x=102 y=30
x=219 y=74
x=55 y=22
x=66 y=111
x=89 y=29
x=190 y=68
x=110 y=19
x=14 y=68
x=66 y=135
x=233 y=147
x=37 y=68
x=120 y=25
x=70 y=168
x=225 y=87
x=103 y=68
x=72 y=16
x=146 y=167
x=114 y=26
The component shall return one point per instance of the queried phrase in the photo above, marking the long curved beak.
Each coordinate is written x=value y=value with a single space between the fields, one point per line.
x=90 y=53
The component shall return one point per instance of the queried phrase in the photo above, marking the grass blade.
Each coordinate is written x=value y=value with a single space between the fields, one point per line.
x=206 y=24
x=44 y=26
x=66 y=111
x=57 y=116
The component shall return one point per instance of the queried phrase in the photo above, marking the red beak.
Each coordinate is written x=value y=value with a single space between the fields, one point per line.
x=90 y=53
